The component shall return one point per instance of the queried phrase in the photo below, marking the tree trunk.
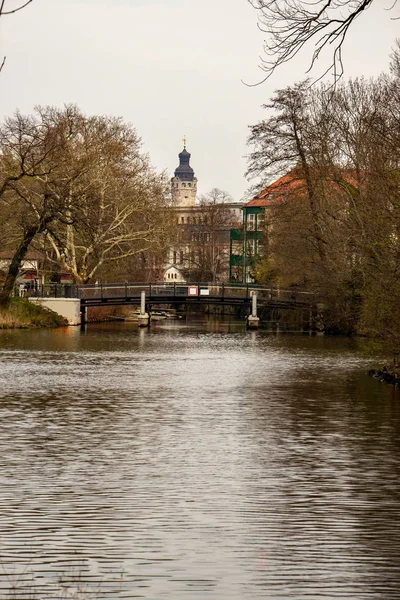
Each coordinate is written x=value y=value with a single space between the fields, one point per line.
x=15 y=265
x=311 y=198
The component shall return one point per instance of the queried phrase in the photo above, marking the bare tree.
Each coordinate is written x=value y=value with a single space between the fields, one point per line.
x=4 y=11
x=31 y=156
x=342 y=153
x=82 y=185
x=292 y=24
x=204 y=243
x=117 y=201
x=395 y=59
x=288 y=139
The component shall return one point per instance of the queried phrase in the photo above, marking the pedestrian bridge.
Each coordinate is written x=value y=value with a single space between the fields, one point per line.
x=193 y=293
x=156 y=293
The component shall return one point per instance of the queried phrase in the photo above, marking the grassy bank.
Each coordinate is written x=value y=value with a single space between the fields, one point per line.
x=21 y=313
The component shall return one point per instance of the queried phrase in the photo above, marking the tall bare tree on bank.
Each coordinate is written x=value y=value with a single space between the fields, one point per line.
x=292 y=24
x=117 y=200
x=82 y=185
x=286 y=139
x=31 y=156
x=350 y=139
x=5 y=11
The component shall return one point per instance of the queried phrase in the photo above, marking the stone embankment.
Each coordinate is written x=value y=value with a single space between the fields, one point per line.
x=23 y=314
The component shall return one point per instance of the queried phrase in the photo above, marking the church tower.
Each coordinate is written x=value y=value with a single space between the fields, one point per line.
x=184 y=183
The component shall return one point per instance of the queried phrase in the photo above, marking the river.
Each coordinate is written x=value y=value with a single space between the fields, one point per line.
x=195 y=461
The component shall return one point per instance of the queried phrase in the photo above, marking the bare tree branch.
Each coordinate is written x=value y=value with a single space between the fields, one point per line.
x=10 y=12
x=13 y=11
x=293 y=24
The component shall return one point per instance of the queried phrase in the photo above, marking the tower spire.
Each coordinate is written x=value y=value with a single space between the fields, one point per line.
x=184 y=141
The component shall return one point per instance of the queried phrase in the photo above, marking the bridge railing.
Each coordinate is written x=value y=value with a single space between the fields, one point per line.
x=113 y=290
x=52 y=290
x=163 y=289
x=173 y=290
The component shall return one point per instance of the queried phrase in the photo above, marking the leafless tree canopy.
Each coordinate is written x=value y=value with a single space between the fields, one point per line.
x=334 y=218
x=79 y=188
x=292 y=24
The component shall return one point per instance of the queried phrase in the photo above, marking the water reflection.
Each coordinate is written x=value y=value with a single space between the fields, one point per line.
x=195 y=460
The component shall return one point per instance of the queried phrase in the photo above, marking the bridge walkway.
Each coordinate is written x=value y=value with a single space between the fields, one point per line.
x=159 y=293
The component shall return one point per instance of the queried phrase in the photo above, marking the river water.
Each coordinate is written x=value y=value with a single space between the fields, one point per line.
x=195 y=461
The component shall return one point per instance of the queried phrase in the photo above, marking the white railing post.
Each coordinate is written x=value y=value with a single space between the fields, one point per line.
x=144 y=317
x=252 y=320
x=254 y=305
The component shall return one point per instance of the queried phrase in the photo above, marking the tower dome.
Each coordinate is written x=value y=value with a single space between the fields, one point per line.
x=184 y=171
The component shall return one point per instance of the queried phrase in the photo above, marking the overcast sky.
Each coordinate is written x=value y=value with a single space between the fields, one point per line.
x=170 y=67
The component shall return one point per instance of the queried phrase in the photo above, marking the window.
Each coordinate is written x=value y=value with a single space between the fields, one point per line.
x=251 y=222
x=183 y=184
x=253 y=247
x=182 y=219
x=189 y=185
x=181 y=257
x=174 y=257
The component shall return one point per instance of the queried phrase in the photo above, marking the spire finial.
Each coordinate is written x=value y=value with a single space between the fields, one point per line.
x=184 y=141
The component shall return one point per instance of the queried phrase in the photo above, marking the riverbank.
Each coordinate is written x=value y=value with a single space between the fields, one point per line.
x=386 y=375
x=21 y=313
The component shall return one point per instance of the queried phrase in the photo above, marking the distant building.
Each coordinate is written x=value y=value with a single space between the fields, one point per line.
x=184 y=183
x=248 y=243
x=32 y=273
x=200 y=242
x=29 y=275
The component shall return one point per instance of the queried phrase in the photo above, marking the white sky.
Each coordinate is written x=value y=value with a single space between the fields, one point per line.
x=170 y=67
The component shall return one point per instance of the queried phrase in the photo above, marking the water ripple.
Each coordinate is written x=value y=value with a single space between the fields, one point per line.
x=182 y=463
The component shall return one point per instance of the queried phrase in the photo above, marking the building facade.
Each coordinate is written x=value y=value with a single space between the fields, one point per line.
x=201 y=251
x=249 y=242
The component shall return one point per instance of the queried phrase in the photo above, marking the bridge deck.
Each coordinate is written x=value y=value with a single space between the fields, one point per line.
x=112 y=294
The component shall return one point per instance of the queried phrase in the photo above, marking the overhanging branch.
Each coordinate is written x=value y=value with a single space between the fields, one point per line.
x=292 y=24
x=14 y=10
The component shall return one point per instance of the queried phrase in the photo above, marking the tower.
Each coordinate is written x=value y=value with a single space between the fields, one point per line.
x=184 y=183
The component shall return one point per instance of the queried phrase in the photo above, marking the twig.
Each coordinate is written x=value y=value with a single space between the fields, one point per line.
x=11 y=12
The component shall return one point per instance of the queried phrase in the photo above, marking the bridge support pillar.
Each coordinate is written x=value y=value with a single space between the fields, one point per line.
x=253 y=321
x=144 y=317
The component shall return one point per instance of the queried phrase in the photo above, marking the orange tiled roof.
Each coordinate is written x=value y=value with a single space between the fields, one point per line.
x=279 y=188
x=287 y=183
